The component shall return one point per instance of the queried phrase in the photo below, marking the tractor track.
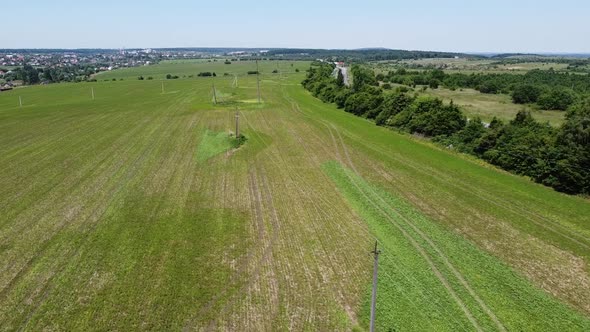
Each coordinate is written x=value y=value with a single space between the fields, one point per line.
x=416 y=245
x=550 y=224
x=442 y=255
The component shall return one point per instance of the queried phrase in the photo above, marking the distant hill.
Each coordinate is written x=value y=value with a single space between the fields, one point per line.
x=370 y=54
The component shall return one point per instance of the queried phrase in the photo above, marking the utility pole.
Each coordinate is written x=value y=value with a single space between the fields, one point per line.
x=258 y=80
x=92 y=91
x=214 y=95
x=20 y=101
x=237 y=123
x=374 y=295
x=162 y=87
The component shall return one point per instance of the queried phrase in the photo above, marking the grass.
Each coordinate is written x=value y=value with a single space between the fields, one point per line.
x=120 y=213
x=468 y=66
x=487 y=106
x=213 y=144
x=186 y=68
x=413 y=298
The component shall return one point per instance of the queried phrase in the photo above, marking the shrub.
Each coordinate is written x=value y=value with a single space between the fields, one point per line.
x=557 y=99
x=525 y=93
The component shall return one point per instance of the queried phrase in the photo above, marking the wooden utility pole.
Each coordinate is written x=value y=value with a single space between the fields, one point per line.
x=20 y=101
x=237 y=124
x=374 y=295
x=214 y=95
x=258 y=80
x=92 y=91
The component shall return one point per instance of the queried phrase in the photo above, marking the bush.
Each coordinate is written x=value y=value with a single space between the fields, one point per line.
x=525 y=94
x=490 y=87
x=392 y=105
x=433 y=83
x=239 y=141
x=252 y=72
x=557 y=99
x=429 y=116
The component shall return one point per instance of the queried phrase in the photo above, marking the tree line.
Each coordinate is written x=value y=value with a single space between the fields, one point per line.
x=31 y=75
x=370 y=54
x=547 y=89
x=556 y=157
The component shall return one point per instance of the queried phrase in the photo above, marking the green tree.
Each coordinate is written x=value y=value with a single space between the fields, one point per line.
x=361 y=77
x=340 y=78
x=433 y=83
x=392 y=105
x=525 y=94
x=557 y=99
x=28 y=74
x=572 y=154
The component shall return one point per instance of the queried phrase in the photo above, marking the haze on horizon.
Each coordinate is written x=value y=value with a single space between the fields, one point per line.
x=454 y=25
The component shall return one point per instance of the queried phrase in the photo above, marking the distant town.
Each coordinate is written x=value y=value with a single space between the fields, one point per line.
x=18 y=67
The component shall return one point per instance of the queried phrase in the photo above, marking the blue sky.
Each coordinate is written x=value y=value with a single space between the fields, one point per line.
x=451 y=25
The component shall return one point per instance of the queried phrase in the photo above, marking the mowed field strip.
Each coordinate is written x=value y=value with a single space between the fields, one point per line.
x=133 y=212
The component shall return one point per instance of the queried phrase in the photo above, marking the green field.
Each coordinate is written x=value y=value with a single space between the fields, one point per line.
x=185 y=68
x=488 y=106
x=468 y=66
x=133 y=211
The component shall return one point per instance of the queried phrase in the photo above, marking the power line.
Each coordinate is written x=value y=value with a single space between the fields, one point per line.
x=237 y=123
x=258 y=80
x=214 y=94
x=375 y=253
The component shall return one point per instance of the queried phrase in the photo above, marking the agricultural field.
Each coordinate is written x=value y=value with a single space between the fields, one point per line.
x=135 y=211
x=185 y=68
